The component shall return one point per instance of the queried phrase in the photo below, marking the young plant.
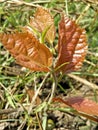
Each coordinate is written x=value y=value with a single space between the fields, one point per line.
x=31 y=53
x=30 y=48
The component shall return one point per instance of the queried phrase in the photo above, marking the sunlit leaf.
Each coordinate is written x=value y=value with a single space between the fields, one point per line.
x=43 y=21
x=27 y=50
x=72 y=46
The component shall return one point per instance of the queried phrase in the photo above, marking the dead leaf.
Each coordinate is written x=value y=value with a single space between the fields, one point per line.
x=42 y=21
x=27 y=51
x=84 y=107
x=72 y=46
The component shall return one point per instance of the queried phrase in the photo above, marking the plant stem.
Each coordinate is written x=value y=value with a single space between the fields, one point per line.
x=66 y=4
x=50 y=100
x=54 y=86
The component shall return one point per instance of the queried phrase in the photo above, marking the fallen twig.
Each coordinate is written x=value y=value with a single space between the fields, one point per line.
x=84 y=81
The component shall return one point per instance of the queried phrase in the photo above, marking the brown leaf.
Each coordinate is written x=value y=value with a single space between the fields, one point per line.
x=80 y=110
x=27 y=51
x=72 y=46
x=42 y=21
x=81 y=105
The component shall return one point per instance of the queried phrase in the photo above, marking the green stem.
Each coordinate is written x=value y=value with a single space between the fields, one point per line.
x=66 y=4
x=54 y=86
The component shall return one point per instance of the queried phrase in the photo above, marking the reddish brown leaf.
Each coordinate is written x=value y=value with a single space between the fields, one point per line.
x=42 y=21
x=27 y=51
x=72 y=46
x=81 y=105
x=81 y=113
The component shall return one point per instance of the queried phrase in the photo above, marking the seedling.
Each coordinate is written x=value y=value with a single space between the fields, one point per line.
x=33 y=53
